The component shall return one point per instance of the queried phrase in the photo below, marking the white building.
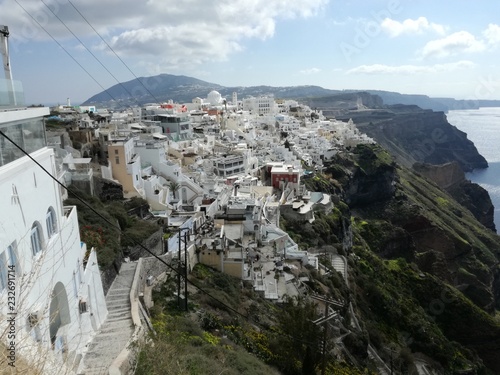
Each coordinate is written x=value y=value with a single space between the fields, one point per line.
x=261 y=105
x=48 y=277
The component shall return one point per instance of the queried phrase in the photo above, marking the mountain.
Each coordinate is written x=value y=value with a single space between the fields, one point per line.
x=152 y=89
x=163 y=87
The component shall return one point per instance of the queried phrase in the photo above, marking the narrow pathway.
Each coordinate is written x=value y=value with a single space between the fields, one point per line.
x=338 y=263
x=116 y=329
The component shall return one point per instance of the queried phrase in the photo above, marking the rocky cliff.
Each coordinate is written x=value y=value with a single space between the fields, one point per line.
x=451 y=178
x=411 y=217
x=410 y=133
x=414 y=135
x=399 y=214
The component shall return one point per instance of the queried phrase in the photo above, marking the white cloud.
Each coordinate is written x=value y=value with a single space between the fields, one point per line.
x=175 y=32
x=410 y=69
x=409 y=26
x=492 y=34
x=310 y=71
x=453 y=44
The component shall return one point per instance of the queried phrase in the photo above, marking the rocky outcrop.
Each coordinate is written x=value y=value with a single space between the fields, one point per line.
x=444 y=175
x=367 y=188
x=107 y=190
x=477 y=200
x=472 y=196
x=373 y=177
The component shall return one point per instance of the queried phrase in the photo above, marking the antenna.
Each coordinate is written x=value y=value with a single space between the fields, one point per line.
x=4 y=50
x=4 y=47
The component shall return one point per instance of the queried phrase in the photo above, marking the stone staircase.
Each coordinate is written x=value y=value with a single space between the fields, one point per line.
x=338 y=264
x=116 y=330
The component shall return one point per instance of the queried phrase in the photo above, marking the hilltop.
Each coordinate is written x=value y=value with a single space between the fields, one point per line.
x=164 y=87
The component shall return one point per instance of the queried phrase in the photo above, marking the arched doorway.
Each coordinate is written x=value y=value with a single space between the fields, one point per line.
x=59 y=311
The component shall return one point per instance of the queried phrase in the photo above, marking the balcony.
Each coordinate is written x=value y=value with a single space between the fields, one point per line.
x=25 y=127
x=11 y=94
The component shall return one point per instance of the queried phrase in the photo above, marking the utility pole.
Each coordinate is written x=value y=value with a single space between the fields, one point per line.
x=4 y=51
x=179 y=268
x=325 y=335
x=324 y=320
x=182 y=269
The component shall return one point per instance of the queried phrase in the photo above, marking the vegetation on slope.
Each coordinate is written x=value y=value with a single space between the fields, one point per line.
x=421 y=282
x=241 y=332
x=97 y=232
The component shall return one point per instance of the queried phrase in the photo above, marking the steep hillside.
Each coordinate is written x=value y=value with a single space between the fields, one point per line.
x=430 y=227
x=422 y=260
x=420 y=289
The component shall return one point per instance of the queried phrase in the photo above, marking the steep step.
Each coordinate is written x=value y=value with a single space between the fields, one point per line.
x=339 y=265
x=116 y=329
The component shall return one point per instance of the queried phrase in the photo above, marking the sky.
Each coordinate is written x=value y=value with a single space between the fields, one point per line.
x=74 y=49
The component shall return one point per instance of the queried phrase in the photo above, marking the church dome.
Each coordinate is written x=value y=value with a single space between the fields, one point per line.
x=214 y=98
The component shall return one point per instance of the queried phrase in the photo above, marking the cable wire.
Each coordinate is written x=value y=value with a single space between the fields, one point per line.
x=88 y=50
x=117 y=227
x=113 y=225
x=65 y=50
x=112 y=50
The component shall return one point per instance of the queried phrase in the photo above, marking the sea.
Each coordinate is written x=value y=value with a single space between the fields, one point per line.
x=483 y=128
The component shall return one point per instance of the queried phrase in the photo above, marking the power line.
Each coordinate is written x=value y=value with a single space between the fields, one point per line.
x=88 y=50
x=117 y=227
x=81 y=200
x=112 y=50
x=110 y=223
x=65 y=50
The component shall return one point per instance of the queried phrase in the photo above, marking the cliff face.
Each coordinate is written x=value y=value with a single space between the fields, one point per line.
x=408 y=216
x=423 y=266
x=408 y=132
x=451 y=178
x=444 y=175
x=477 y=200
x=414 y=135
x=373 y=180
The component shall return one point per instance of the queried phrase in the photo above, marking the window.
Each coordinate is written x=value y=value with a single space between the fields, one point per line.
x=36 y=239
x=117 y=160
x=50 y=219
x=3 y=272
x=116 y=152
